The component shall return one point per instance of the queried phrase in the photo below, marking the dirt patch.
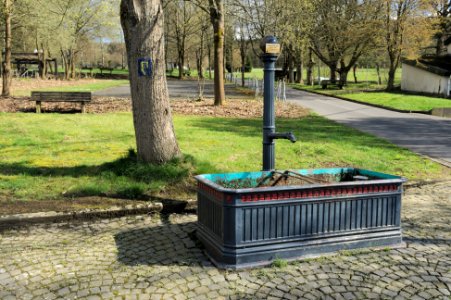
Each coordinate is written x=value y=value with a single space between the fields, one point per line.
x=63 y=205
x=233 y=108
x=236 y=109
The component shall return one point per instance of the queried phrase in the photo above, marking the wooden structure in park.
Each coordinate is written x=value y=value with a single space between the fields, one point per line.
x=77 y=97
x=22 y=60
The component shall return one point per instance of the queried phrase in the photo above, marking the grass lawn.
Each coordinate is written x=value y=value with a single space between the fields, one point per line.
x=368 y=76
x=396 y=100
x=400 y=101
x=81 y=87
x=54 y=156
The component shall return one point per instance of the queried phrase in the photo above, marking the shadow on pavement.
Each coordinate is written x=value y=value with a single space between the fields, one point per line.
x=164 y=245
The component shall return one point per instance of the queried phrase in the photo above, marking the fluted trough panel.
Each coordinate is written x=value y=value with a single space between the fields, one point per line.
x=318 y=218
x=211 y=215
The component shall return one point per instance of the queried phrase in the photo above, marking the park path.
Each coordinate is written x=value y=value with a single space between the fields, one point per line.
x=422 y=134
x=177 y=89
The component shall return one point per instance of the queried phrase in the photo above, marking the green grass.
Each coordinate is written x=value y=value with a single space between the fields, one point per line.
x=348 y=89
x=52 y=156
x=82 y=87
x=280 y=263
x=372 y=93
x=400 y=101
x=366 y=76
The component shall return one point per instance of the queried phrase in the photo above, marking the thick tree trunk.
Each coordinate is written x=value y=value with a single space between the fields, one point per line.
x=333 y=73
x=217 y=20
x=142 y=23
x=299 y=71
x=391 y=78
x=181 y=60
x=343 y=77
x=6 y=90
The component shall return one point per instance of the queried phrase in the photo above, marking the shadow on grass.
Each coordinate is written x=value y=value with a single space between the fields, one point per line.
x=123 y=178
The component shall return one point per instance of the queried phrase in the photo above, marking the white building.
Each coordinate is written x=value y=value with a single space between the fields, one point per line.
x=430 y=75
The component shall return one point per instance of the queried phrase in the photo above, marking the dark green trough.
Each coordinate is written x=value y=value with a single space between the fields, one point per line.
x=252 y=226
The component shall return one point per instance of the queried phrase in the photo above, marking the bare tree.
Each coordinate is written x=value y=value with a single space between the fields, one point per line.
x=215 y=9
x=6 y=90
x=142 y=23
x=406 y=30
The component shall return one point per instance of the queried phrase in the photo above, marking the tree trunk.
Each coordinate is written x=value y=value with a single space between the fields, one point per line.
x=6 y=90
x=290 y=68
x=391 y=77
x=354 y=72
x=243 y=58
x=299 y=70
x=310 y=65
x=181 y=60
x=378 y=71
x=333 y=73
x=142 y=23
x=209 y=61
x=72 y=63
x=217 y=20
x=343 y=77
x=200 y=65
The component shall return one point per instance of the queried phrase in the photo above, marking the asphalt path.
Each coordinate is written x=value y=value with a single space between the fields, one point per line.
x=422 y=134
x=177 y=89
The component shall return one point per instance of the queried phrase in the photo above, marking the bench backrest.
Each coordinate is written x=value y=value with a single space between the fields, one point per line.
x=61 y=96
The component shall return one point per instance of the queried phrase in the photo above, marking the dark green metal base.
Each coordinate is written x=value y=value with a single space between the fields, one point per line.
x=257 y=256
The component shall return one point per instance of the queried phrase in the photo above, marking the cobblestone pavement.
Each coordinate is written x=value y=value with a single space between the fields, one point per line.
x=153 y=258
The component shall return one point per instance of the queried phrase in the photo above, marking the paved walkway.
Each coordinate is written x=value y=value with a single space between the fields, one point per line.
x=177 y=89
x=151 y=258
x=423 y=134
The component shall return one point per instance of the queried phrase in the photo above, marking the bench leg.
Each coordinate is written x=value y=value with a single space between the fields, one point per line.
x=83 y=108
x=38 y=107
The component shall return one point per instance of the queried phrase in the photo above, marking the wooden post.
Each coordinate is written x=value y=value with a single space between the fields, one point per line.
x=38 y=107
x=83 y=107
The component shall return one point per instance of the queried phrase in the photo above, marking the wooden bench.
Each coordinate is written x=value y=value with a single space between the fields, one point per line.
x=80 y=97
x=325 y=83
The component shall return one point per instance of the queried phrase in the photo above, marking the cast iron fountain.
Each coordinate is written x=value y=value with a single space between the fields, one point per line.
x=249 y=219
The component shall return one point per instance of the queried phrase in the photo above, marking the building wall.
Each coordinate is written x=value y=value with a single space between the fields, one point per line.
x=418 y=80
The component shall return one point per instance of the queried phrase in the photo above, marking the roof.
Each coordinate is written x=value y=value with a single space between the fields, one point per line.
x=437 y=65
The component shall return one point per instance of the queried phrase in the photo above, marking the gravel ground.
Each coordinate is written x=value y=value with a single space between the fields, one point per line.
x=153 y=257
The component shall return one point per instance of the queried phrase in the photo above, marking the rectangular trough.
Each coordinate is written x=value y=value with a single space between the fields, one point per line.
x=246 y=227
